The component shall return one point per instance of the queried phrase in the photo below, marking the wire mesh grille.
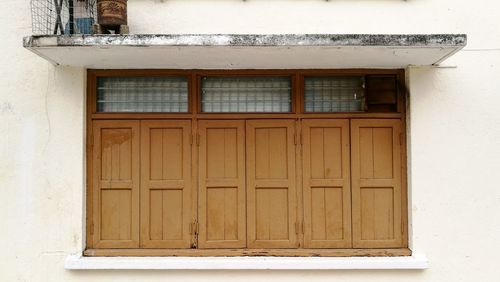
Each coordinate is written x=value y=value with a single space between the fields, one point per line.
x=246 y=94
x=63 y=16
x=334 y=94
x=142 y=94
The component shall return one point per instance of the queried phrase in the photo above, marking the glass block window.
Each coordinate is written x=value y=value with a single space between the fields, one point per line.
x=334 y=94
x=246 y=94
x=142 y=94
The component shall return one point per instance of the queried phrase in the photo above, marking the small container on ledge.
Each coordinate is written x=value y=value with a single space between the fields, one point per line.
x=111 y=16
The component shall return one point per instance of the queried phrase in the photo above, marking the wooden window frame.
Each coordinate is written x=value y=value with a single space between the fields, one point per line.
x=194 y=114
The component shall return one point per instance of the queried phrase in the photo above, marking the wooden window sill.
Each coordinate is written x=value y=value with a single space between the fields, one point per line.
x=398 y=252
x=79 y=262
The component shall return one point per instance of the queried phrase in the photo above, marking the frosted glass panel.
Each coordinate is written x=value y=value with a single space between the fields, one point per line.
x=246 y=94
x=142 y=94
x=334 y=94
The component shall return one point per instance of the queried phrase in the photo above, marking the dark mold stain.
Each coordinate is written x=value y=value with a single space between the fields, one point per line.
x=340 y=40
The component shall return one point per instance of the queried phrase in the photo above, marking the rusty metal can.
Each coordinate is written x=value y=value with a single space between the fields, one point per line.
x=112 y=13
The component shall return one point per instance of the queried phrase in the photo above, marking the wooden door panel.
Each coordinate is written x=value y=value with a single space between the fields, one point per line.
x=326 y=184
x=165 y=215
x=272 y=208
x=115 y=210
x=376 y=183
x=377 y=213
x=221 y=210
x=326 y=220
x=166 y=184
x=115 y=184
x=271 y=177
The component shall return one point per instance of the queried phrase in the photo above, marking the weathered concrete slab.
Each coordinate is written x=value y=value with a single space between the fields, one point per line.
x=247 y=51
x=340 y=40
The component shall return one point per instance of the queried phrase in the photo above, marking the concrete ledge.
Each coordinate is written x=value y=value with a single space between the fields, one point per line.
x=77 y=262
x=246 y=51
x=340 y=40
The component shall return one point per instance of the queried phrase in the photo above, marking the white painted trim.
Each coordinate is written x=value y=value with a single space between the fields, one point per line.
x=78 y=262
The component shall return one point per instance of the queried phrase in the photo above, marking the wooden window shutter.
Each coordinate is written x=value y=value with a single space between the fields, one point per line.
x=166 y=188
x=271 y=192
x=326 y=184
x=222 y=184
x=381 y=93
x=376 y=183
x=115 y=193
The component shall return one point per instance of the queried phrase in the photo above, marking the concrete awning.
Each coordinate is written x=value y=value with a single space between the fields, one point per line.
x=230 y=51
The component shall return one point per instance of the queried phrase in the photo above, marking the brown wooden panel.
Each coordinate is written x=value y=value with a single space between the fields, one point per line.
x=383 y=144
x=222 y=214
x=327 y=221
x=166 y=184
x=377 y=214
x=221 y=209
x=326 y=184
x=271 y=208
x=116 y=220
x=376 y=183
x=115 y=184
x=156 y=215
x=381 y=93
x=173 y=223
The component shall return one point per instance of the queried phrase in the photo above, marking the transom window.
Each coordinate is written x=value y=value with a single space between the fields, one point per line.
x=246 y=94
x=334 y=94
x=167 y=94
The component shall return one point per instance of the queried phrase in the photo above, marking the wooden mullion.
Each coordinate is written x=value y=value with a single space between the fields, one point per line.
x=299 y=185
x=299 y=78
x=402 y=99
x=194 y=100
x=89 y=149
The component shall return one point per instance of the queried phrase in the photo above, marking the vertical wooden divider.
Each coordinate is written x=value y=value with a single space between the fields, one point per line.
x=194 y=90
x=299 y=226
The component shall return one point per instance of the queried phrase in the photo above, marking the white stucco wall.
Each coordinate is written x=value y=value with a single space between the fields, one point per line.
x=454 y=121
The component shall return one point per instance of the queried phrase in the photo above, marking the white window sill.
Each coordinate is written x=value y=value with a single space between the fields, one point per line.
x=78 y=262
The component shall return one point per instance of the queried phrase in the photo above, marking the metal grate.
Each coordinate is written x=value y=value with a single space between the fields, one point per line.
x=142 y=94
x=334 y=94
x=246 y=94
x=63 y=16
